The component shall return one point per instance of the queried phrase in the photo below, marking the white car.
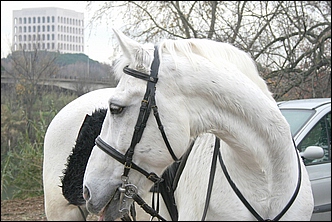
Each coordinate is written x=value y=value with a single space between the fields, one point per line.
x=310 y=123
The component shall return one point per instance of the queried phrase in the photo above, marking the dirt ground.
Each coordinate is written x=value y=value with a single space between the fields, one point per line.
x=31 y=209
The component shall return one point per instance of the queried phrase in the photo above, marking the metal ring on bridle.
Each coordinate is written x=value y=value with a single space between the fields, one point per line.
x=129 y=190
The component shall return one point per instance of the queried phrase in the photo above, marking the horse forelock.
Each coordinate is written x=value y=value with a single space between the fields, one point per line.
x=140 y=60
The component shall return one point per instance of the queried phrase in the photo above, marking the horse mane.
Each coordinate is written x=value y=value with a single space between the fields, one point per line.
x=72 y=178
x=209 y=49
x=220 y=54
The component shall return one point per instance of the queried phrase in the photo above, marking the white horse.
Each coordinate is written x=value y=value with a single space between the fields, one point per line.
x=63 y=131
x=197 y=92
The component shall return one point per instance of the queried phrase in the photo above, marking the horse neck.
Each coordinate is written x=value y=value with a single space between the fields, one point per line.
x=229 y=105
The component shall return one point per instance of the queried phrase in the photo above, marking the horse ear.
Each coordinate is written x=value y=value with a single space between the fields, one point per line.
x=129 y=47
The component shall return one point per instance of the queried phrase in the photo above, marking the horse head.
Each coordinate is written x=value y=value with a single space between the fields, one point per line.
x=128 y=118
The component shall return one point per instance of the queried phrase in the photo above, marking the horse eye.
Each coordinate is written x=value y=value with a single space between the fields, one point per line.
x=115 y=109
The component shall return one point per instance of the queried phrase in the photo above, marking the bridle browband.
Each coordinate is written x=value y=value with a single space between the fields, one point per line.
x=148 y=103
x=130 y=191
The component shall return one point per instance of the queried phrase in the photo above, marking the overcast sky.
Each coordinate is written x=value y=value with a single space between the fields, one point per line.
x=98 y=39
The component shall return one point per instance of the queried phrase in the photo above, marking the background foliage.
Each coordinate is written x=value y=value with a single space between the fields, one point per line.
x=22 y=151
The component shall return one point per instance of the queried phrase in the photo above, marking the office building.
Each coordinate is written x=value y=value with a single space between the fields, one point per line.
x=49 y=28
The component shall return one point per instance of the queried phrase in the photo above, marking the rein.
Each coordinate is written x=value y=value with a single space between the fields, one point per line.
x=237 y=191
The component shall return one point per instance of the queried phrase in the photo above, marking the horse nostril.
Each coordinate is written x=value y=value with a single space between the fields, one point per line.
x=86 y=193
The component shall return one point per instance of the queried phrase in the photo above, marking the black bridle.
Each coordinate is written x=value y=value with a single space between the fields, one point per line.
x=148 y=103
x=130 y=190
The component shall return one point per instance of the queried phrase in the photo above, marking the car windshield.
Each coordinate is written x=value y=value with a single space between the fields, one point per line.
x=297 y=118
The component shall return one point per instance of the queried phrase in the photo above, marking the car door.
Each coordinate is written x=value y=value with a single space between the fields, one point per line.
x=319 y=170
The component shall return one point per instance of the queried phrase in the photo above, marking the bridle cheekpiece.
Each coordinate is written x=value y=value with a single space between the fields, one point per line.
x=148 y=103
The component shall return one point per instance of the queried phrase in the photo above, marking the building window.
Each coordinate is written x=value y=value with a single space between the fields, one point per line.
x=29 y=20
x=25 y=20
x=48 y=28
x=53 y=19
x=43 y=28
x=52 y=28
x=38 y=19
x=48 y=19
x=34 y=28
x=43 y=19
x=29 y=29
x=34 y=20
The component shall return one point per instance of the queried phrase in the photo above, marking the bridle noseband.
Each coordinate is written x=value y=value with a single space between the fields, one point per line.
x=148 y=103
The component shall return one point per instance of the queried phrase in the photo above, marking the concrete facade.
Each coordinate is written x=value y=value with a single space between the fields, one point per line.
x=49 y=28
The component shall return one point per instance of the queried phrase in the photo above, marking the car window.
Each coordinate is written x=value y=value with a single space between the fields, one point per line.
x=320 y=135
x=297 y=118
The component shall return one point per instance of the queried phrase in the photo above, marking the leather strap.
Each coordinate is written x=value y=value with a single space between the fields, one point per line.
x=212 y=173
x=245 y=202
x=121 y=158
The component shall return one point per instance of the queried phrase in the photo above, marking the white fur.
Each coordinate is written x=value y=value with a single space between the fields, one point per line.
x=195 y=95
x=191 y=190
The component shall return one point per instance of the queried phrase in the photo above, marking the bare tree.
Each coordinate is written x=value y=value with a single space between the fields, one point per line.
x=29 y=69
x=289 y=40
